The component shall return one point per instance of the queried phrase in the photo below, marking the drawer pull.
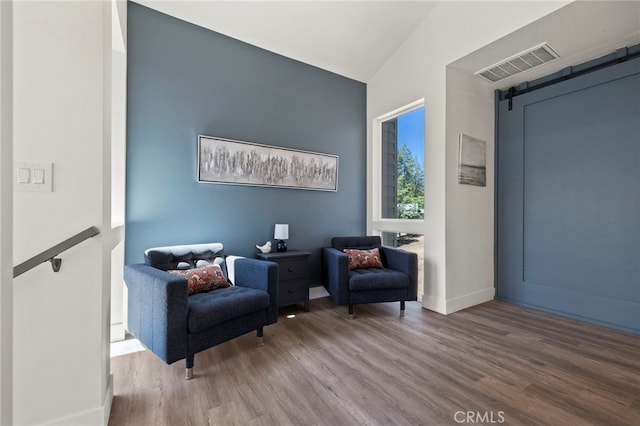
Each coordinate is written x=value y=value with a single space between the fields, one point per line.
x=290 y=291
x=290 y=269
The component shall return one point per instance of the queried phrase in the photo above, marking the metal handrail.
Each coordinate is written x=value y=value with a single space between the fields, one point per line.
x=49 y=255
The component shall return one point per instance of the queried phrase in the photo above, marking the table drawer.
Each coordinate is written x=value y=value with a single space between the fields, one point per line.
x=290 y=269
x=292 y=291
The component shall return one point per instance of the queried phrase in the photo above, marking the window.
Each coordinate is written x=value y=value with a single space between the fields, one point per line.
x=413 y=243
x=402 y=191
x=397 y=188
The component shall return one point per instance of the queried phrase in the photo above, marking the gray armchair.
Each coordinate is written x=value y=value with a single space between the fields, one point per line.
x=396 y=281
x=175 y=325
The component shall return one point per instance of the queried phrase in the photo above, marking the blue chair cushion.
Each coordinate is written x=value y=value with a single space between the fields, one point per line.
x=221 y=305
x=377 y=279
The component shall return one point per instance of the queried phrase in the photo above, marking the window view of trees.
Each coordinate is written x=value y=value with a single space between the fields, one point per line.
x=402 y=189
x=410 y=185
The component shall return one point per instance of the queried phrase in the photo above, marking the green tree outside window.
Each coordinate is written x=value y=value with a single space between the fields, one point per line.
x=410 y=185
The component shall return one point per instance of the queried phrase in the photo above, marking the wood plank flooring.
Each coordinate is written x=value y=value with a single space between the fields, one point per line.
x=496 y=363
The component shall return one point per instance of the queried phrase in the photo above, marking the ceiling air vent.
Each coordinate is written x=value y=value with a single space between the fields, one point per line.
x=530 y=58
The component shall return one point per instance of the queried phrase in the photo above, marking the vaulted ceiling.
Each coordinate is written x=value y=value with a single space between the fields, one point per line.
x=350 y=38
x=355 y=38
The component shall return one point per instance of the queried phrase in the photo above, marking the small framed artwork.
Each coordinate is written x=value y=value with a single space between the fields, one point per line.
x=472 y=161
x=234 y=162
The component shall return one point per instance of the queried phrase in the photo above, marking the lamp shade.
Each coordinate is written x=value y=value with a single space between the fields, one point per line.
x=281 y=232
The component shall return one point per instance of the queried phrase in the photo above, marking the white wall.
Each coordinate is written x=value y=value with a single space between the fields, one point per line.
x=419 y=69
x=118 y=164
x=61 y=115
x=469 y=209
x=6 y=213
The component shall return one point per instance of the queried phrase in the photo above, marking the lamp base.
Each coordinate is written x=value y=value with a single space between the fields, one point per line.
x=281 y=246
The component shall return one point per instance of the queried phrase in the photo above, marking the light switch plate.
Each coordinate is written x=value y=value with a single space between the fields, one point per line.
x=24 y=175
x=38 y=176
x=33 y=177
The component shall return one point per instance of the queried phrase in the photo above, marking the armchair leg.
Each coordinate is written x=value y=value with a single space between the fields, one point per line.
x=402 y=308
x=260 y=333
x=350 y=312
x=189 y=370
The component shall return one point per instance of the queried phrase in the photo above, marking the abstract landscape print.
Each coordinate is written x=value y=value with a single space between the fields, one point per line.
x=244 y=163
x=472 y=162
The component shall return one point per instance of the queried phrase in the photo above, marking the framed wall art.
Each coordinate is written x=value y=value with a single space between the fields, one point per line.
x=472 y=161
x=226 y=161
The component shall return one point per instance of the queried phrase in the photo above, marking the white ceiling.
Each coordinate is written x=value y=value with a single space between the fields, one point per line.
x=355 y=38
x=579 y=32
x=350 y=38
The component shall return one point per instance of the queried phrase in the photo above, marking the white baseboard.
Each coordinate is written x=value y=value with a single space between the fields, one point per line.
x=98 y=416
x=471 y=299
x=124 y=347
x=455 y=304
x=434 y=304
x=108 y=400
x=317 y=292
x=117 y=332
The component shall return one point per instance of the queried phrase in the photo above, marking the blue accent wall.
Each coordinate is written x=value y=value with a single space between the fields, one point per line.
x=183 y=81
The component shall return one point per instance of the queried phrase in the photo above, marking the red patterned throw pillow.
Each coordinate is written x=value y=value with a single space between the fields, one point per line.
x=362 y=259
x=203 y=279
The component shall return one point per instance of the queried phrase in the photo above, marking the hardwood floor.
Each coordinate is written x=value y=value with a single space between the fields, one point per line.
x=494 y=363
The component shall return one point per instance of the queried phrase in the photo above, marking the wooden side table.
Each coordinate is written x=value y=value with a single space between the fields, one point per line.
x=293 y=277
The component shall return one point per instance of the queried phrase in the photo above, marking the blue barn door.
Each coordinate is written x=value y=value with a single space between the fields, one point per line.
x=568 y=198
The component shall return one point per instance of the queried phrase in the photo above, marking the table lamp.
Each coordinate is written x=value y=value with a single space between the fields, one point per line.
x=281 y=233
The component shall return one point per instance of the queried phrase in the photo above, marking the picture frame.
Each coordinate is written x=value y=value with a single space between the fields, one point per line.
x=232 y=162
x=472 y=161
